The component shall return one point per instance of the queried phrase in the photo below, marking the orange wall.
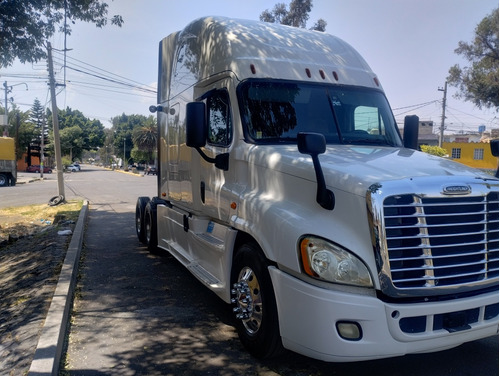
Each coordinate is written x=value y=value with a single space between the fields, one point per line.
x=22 y=165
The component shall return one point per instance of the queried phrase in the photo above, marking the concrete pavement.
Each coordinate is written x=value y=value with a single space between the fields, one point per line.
x=50 y=344
x=131 y=321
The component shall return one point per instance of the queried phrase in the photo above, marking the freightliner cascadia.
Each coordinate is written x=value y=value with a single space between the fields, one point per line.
x=286 y=188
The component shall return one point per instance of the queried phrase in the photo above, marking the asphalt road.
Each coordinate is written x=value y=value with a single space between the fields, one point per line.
x=135 y=313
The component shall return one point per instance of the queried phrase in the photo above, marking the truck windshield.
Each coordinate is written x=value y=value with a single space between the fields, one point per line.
x=276 y=111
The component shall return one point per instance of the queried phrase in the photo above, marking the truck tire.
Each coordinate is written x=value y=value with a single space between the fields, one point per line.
x=56 y=200
x=140 y=209
x=150 y=227
x=4 y=180
x=255 y=303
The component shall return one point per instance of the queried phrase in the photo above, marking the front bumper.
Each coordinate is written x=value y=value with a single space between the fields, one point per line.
x=308 y=316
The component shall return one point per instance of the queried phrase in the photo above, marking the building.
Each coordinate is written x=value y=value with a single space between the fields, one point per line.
x=426 y=135
x=473 y=154
x=471 y=149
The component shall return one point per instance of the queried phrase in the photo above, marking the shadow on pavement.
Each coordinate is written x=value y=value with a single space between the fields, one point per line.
x=135 y=313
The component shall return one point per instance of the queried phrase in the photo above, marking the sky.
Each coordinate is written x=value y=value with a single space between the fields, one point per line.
x=409 y=44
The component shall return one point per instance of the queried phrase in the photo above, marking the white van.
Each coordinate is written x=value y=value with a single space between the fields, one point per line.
x=285 y=187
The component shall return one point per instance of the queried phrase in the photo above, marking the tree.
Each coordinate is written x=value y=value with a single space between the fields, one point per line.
x=90 y=136
x=21 y=128
x=320 y=25
x=123 y=130
x=297 y=15
x=277 y=15
x=25 y=25
x=145 y=138
x=37 y=119
x=37 y=114
x=93 y=134
x=478 y=83
x=71 y=141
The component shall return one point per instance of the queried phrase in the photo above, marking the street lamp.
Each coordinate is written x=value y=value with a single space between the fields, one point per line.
x=8 y=89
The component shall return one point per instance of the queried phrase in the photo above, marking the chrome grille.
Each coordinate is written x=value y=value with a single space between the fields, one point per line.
x=444 y=241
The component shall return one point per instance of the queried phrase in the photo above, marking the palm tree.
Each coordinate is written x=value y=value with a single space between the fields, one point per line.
x=145 y=138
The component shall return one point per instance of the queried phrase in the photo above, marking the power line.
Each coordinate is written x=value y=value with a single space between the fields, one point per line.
x=114 y=81
x=464 y=113
x=107 y=72
x=23 y=76
x=108 y=76
x=106 y=88
x=414 y=107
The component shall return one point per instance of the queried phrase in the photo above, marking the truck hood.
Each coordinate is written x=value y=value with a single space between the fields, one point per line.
x=356 y=168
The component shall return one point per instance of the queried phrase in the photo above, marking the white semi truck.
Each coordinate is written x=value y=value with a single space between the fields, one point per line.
x=285 y=187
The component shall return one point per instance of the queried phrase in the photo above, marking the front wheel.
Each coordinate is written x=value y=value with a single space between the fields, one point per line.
x=255 y=303
x=150 y=227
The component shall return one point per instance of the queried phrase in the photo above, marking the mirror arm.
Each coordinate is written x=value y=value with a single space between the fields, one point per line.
x=221 y=161
x=324 y=196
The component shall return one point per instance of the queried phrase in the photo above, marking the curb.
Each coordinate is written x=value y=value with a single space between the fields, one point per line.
x=26 y=181
x=128 y=172
x=49 y=349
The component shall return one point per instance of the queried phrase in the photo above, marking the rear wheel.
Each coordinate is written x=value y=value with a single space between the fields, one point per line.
x=255 y=303
x=150 y=227
x=140 y=209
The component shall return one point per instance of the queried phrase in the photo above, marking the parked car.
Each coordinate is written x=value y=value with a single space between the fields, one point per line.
x=36 y=168
x=151 y=170
x=73 y=167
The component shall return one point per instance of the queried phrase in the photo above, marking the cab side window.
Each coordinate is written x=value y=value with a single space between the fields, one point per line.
x=220 y=128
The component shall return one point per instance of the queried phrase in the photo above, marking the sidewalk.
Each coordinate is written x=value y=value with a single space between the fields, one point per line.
x=50 y=344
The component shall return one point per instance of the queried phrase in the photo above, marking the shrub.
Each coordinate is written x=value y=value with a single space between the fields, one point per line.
x=434 y=150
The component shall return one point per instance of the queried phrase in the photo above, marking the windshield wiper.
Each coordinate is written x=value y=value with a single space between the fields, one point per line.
x=366 y=141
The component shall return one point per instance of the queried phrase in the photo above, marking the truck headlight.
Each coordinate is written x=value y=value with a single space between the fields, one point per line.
x=327 y=261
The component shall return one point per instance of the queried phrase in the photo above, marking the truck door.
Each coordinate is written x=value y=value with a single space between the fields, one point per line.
x=212 y=194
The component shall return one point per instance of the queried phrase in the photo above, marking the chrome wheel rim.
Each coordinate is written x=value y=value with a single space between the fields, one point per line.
x=248 y=300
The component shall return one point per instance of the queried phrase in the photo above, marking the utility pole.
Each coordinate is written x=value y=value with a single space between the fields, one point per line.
x=443 y=116
x=42 y=147
x=55 y=124
x=123 y=163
